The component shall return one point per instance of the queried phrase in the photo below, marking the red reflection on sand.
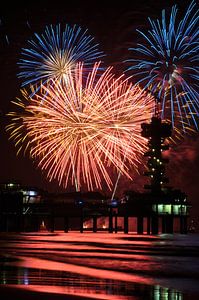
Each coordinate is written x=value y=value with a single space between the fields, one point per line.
x=83 y=255
x=97 y=237
x=70 y=293
x=31 y=262
x=66 y=240
x=75 y=291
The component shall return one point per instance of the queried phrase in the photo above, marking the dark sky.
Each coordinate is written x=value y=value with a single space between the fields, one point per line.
x=114 y=27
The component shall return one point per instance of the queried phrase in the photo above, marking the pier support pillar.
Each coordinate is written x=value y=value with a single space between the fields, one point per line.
x=94 y=223
x=110 y=225
x=66 y=227
x=140 y=225
x=148 y=225
x=126 y=224
x=163 y=224
x=183 y=224
x=52 y=223
x=154 y=224
x=169 y=224
x=115 y=223
x=82 y=223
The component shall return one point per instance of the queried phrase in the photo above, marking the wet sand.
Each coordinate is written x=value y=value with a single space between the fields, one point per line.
x=98 y=266
x=24 y=293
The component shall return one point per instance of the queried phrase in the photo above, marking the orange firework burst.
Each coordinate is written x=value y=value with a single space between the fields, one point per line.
x=85 y=128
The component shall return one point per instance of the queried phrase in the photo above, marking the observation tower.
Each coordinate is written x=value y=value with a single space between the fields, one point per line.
x=156 y=132
x=166 y=203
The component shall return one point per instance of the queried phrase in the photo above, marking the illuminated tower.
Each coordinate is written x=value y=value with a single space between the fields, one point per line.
x=156 y=132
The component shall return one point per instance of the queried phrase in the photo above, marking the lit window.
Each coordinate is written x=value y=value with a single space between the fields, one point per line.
x=32 y=193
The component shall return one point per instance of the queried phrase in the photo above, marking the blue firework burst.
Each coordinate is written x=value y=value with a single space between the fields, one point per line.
x=166 y=62
x=54 y=53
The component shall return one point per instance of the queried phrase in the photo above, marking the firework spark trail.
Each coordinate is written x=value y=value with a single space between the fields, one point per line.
x=84 y=128
x=166 y=61
x=52 y=54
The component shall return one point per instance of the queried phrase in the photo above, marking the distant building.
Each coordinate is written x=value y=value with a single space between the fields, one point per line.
x=30 y=194
x=15 y=204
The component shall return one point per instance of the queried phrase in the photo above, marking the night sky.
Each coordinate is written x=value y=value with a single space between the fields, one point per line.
x=114 y=27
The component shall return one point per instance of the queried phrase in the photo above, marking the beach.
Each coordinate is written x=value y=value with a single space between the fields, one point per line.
x=99 y=266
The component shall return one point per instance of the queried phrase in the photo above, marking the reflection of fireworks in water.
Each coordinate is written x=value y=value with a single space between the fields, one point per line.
x=80 y=131
x=52 y=54
x=167 y=63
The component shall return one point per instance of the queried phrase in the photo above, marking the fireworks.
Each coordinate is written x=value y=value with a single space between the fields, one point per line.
x=55 y=52
x=81 y=130
x=166 y=62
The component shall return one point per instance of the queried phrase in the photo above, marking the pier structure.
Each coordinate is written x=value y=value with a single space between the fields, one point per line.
x=161 y=209
x=141 y=213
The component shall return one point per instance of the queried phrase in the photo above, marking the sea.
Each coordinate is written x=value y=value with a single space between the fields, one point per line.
x=100 y=265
